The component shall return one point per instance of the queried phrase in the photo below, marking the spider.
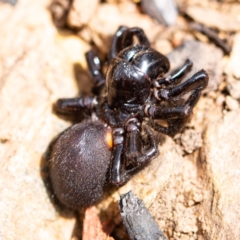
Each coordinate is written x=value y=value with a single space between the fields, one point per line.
x=109 y=146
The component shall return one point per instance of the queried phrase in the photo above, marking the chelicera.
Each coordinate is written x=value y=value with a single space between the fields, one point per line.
x=110 y=145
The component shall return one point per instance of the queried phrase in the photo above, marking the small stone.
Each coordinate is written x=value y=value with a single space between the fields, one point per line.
x=85 y=34
x=177 y=38
x=12 y=2
x=231 y=103
x=197 y=197
x=213 y=18
x=190 y=203
x=234 y=89
x=163 y=46
x=233 y=65
x=81 y=12
x=191 y=140
x=186 y=224
x=59 y=10
x=165 y=11
x=220 y=100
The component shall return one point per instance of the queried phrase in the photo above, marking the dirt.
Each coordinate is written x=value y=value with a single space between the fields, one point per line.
x=191 y=188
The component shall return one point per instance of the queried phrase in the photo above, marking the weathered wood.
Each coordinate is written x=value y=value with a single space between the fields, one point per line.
x=138 y=221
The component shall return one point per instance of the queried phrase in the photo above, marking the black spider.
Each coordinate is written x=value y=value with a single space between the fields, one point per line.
x=109 y=147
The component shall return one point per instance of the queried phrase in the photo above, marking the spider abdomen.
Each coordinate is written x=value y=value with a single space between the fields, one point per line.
x=79 y=164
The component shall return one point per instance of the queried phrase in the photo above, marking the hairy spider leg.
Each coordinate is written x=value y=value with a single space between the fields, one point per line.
x=95 y=67
x=135 y=155
x=124 y=38
x=177 y=116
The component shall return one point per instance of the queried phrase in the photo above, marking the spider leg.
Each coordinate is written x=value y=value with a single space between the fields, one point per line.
x=116 y=163
x=176 y=117
x=141 y=158
x=73 y=105
x=94 y=65
x=198 y=81
x=176 y=77
x=133 y=143
x=124 y=38
x=128 y=34
x=116 y=42
x=88 y=103
x=133 y=155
